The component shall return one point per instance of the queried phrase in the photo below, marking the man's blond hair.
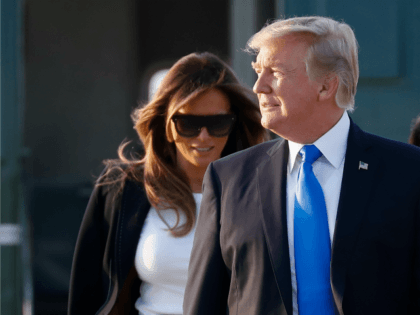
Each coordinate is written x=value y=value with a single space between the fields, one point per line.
x=333 y=51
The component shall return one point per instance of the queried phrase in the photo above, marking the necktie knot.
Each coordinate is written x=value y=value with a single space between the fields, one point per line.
x=310 y=153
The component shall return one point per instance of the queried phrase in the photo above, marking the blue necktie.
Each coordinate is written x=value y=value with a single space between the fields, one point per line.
x=312 y=240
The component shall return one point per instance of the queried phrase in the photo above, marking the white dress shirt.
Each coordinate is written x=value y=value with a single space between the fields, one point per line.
x=162 y=263
x=328 y=169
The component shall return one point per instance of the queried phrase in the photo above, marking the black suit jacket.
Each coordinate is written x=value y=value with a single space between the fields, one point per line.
x=240 y=259
x=103 y=278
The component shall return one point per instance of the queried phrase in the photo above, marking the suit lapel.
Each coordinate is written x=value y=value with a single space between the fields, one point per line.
x=132 y=214
x=272 y=175
x=355 y=191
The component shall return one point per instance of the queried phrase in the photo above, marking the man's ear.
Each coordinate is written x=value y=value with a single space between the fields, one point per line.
x=329 y=86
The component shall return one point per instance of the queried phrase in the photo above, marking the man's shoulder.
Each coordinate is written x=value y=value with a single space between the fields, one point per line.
x=395 y=159
x=241 y=167
x=393 y=149
x=384 y=148
x=253 y=155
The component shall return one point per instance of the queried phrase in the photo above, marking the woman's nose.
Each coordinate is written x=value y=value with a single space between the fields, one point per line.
x=204 y=134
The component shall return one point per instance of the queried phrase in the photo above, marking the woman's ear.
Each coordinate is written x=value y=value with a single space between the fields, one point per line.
x=329 y=87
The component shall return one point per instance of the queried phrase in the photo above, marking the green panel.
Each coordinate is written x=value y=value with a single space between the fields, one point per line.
x=387 y=106
x=12 y=95
x=388 y=96
x=375 y=23
x=11 y=289
x=300 y=7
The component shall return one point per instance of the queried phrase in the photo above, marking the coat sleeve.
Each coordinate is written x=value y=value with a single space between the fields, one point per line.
x=89 y=280
x=208 y=277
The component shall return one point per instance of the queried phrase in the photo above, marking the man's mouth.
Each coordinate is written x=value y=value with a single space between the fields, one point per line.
x=269 y=105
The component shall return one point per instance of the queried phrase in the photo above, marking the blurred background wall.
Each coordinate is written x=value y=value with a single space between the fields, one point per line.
x=85 y=64
x=88 y=64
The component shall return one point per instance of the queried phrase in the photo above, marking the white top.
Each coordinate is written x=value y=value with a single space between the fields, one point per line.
x=162 y=262
x=328 y=169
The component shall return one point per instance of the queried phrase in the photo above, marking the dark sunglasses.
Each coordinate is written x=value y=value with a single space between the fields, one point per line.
x=189 y=126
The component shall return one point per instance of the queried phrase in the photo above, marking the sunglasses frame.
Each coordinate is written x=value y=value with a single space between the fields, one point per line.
x=176 y=117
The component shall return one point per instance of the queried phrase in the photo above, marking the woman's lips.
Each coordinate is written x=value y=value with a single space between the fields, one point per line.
x=203 y=149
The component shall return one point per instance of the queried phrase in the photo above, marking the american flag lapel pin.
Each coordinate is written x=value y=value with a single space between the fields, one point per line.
x=363 y=165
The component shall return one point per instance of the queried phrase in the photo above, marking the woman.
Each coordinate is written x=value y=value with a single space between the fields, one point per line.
x=134 y=243
x=415 y=132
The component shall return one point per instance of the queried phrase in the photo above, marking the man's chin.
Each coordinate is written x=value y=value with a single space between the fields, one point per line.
x=270 y=123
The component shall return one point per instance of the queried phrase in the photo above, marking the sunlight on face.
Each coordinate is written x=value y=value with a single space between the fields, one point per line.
x=198 y=152
x=287 y=96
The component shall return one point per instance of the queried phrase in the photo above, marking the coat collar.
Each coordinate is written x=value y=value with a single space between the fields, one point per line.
x=272 y=175
x=356 y=186
x=131 y=217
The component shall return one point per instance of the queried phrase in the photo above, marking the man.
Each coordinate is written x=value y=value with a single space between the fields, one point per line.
x=323 y=221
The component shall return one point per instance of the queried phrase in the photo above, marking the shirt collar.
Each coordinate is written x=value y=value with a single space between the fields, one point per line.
x=332 y=144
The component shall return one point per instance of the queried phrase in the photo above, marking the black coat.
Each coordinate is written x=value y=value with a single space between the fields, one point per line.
x=240 y=258
x=103 y=278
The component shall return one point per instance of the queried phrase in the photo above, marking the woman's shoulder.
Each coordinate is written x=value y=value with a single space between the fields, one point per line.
x=117 y=173
x=112 y=187
x=110 y=184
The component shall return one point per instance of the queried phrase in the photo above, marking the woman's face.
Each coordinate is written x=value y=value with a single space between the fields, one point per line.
x=197 y=152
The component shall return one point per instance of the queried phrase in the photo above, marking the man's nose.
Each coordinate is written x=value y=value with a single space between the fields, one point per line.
x=261 y=85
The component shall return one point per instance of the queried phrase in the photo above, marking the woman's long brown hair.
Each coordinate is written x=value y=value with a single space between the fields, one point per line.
x=166 y=185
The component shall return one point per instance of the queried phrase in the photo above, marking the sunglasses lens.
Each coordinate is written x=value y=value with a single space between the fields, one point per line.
x=187 y=127
x=190 y=126
x=221 y=125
